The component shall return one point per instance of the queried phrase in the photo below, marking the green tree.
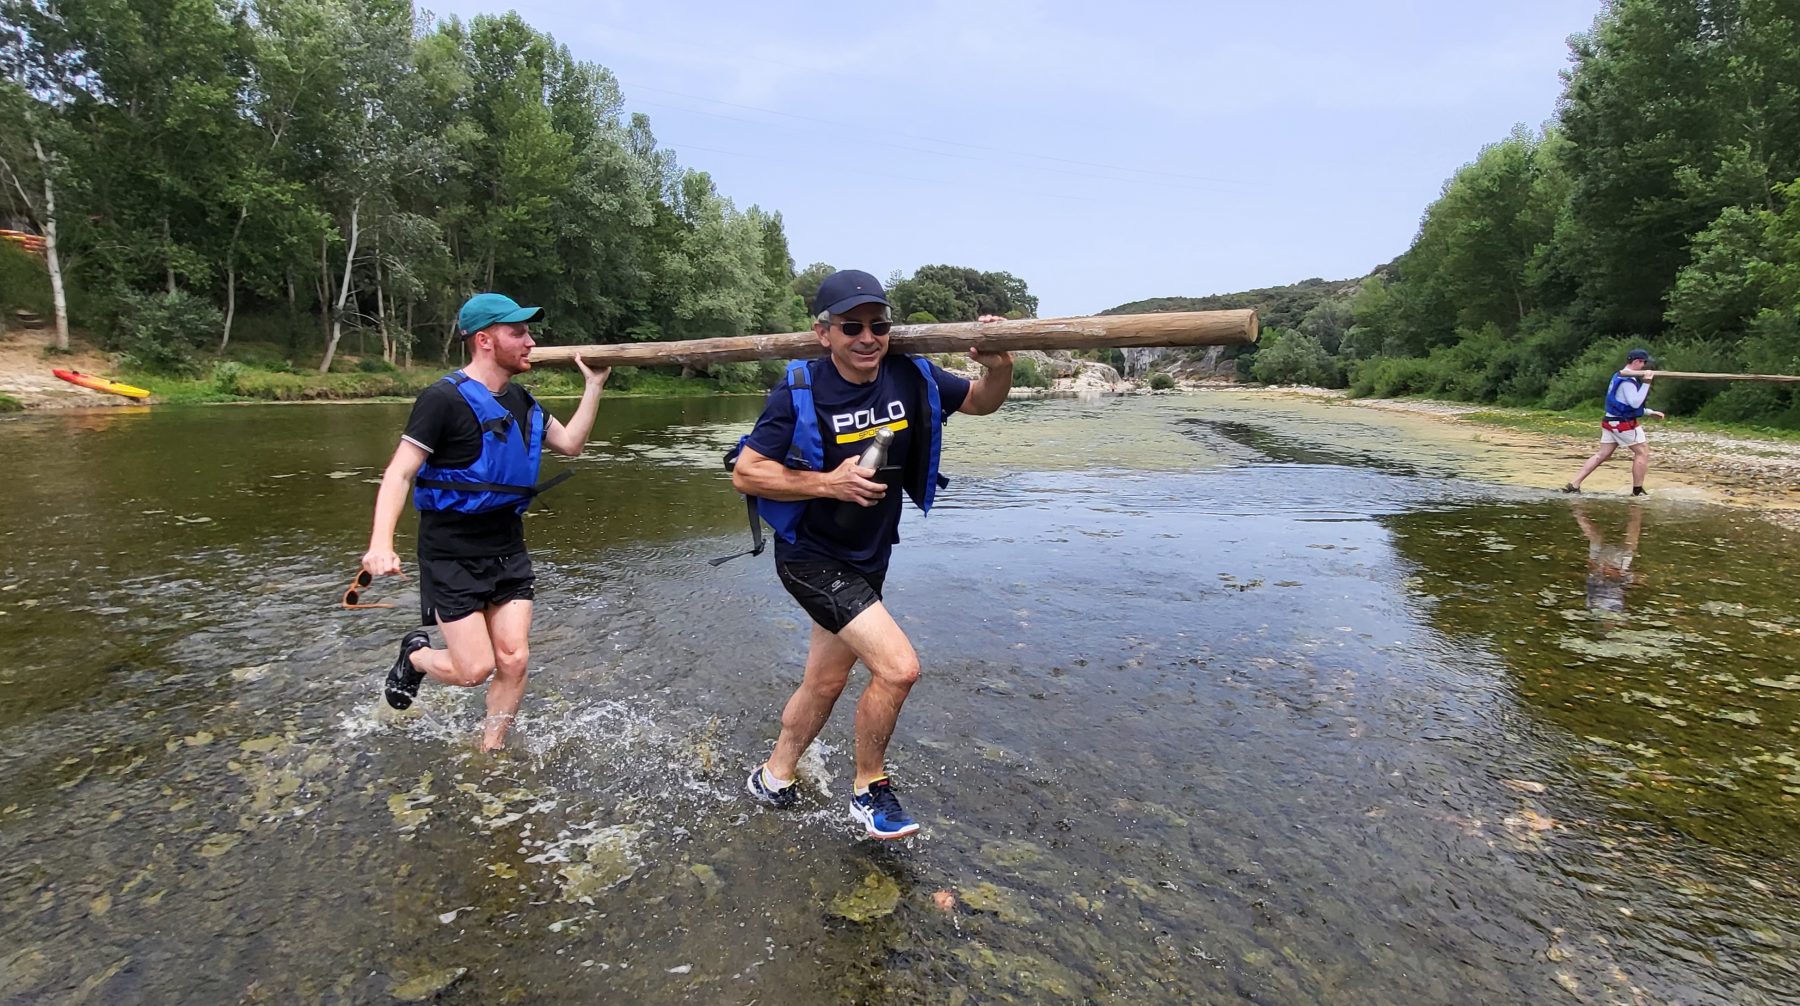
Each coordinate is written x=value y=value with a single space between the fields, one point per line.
x=958 y=293
x=1290 y=357
x=1675 y=110
x=806 y=284
x=35 y=139
x=1724 y=284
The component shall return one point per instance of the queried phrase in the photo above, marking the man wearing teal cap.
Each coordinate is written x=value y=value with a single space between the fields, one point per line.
x=469 y=456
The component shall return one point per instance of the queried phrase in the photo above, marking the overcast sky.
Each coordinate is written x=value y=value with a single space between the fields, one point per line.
x=1105 y=152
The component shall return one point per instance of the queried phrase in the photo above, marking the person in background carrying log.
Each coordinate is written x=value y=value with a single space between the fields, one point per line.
x=470 y=454
x=836 y=522
x=1624 y=423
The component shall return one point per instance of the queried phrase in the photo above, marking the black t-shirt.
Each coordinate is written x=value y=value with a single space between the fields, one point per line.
x=443 y=425
x=859 y=536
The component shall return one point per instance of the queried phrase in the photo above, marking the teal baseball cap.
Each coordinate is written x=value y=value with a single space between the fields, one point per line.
x=485 y=309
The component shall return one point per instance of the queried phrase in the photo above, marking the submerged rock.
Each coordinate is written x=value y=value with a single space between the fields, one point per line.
x=611 y=860
x=428 y=986
x=1008 y=905
x=875 y=898
x=1039 y=979
x=219 y=844
x=1012 y=854
x=707 y=876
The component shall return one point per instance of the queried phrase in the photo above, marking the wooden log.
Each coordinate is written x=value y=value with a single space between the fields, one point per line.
x=1174 y=328
x=1716 y=377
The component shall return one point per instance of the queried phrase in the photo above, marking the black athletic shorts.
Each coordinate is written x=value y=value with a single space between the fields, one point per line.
x=450 y=589
x=831 y=592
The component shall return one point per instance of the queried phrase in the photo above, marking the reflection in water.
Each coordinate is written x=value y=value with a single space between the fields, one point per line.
x=1198 y=723
x=1609 y=566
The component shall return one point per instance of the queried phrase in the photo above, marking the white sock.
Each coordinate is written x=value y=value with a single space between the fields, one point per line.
x=773 y=784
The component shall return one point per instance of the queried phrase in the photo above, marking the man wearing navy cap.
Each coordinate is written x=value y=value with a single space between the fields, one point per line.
x=470 y=458
x=836 y=522
x=1624 y=422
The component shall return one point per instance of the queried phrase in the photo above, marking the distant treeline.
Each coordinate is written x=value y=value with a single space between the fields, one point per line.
x=1661 y=209
x=300 y=170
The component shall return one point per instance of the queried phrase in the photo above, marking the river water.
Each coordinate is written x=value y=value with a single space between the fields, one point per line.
x=1223 y=701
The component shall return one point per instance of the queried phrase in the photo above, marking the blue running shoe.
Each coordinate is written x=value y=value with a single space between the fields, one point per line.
x=403 y=678
x=879 y=811
x=758 y=786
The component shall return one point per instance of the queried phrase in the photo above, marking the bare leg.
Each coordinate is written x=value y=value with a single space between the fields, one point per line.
x=1600 y=457
x=1640 y=464
x=893 y=667
x=509 y=625
x=468 y=657
x=828 y=663
x=489 y=646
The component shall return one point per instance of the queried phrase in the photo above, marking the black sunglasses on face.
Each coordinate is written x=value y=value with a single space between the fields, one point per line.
x=854 y=328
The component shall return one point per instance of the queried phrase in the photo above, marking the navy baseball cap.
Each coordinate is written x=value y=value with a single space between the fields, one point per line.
x=845 y=289
x=1638 y=354
x=485 y=309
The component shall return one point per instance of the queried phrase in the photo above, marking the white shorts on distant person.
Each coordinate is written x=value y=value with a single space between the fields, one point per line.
x=1624 y=438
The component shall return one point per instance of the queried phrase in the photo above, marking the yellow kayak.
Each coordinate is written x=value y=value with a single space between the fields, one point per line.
x=101 y=384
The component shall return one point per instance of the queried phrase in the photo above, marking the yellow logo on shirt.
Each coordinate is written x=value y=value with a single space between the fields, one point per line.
x=851 y=438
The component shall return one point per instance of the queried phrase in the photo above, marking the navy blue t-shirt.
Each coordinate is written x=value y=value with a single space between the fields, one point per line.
x=849 y=415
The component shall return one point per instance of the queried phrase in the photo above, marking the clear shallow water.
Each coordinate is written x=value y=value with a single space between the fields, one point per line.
x=1220 y=703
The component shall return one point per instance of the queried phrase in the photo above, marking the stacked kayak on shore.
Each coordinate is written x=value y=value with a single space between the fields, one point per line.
x=101 y=384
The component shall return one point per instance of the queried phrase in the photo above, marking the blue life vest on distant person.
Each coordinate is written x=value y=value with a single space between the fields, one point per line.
x=504 y=475
x=1615 y=407
x=807 y=451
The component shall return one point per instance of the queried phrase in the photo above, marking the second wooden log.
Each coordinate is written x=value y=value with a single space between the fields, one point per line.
x=1718 y=377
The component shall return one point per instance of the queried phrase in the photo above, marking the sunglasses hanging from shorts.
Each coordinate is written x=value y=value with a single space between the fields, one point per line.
x=353 y=593
x=854 y=328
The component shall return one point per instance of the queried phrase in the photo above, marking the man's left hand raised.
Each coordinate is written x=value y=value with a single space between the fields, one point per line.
x=595 y=379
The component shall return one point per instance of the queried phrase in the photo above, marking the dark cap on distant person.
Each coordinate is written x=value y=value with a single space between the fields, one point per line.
x=847 y=288
x=485 y=309
x=1638 y=354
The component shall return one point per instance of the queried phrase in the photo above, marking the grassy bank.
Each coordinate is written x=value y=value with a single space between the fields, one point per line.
x=236 y=382
x=1583 y=423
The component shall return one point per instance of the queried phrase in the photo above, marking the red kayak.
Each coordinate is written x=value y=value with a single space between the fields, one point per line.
x=100 y=384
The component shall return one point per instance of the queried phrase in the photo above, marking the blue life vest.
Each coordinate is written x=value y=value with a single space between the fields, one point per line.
x=505 y=473
x=1615 y=407
x=807 y=451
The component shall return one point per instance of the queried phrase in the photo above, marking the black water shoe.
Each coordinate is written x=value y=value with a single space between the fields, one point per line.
x=1569 y=487
x=1639 y=491
x=758 y=785
x=403 y=678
